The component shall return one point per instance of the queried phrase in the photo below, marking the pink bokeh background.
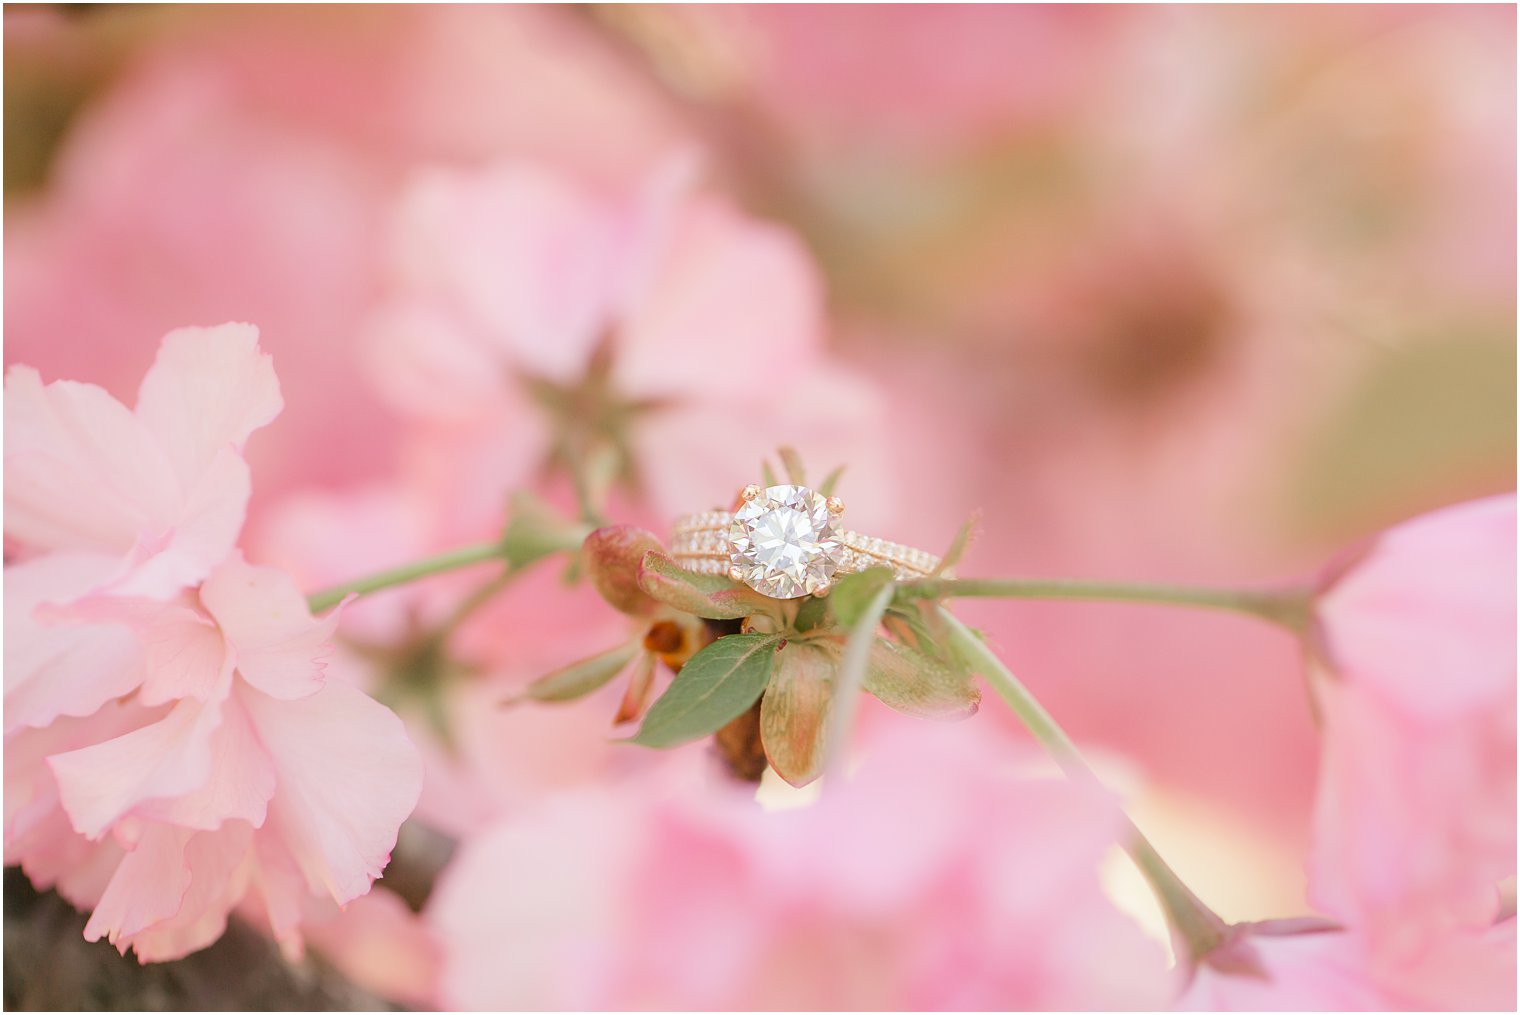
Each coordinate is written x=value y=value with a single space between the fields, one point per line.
x=1167 y=294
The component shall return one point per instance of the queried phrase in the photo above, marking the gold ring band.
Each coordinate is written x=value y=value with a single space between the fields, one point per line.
x=700 y=544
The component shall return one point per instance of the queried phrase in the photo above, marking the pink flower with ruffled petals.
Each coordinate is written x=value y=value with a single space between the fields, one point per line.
x=173 y=746
x=234 y=766
x=1415 y=818
x=934 y=879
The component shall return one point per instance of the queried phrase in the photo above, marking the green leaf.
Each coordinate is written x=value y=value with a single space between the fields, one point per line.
x=715 y=686
x=919 y=627
x=712 y=597
x=852 y=593
x=913 y=683
x=794 y=711
x=767 y=474
x=578 y=679
x=814 y=612
x=831 y=481
x=958 y=545
x=853 y=662
x=792 y=463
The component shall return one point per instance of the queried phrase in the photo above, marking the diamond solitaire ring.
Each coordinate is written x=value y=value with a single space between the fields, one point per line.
x=785 y=542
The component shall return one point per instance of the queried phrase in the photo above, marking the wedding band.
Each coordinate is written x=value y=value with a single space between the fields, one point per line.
x=785 y=542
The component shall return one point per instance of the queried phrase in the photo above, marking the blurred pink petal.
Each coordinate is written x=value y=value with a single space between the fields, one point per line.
x=1332 y=970
x=526 y=258
x=382 y=946
x=512 y=274
x=714 y=261
x=659 y=893
x=1415 y=821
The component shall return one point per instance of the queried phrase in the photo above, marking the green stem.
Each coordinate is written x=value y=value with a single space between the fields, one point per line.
x=468 y=556
x=1288 y=607
x=1200 y=929
x=850 y=677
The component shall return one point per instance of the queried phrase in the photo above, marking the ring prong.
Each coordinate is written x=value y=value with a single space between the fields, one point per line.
x=736 y=574
x=835 y=506
x=821 y=593
x=750 y=492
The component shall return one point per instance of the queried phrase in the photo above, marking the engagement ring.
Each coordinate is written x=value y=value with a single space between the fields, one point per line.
x=785 y=542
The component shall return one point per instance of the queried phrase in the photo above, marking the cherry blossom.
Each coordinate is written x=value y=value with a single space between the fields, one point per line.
x=173 y=745
x=1320 y=969
x=901 y=889
x=584 y=323
x=1415 y=818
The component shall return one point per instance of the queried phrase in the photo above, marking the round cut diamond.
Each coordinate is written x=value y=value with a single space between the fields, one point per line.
x=783 y=542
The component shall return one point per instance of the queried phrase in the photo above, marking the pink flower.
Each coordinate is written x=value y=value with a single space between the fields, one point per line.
x=901 y=889
x=159 y=491
x=233 y=767
x=381 y=946
x=1415 y=818
x=173 y=747
x=665 y=335
x=1329 y=970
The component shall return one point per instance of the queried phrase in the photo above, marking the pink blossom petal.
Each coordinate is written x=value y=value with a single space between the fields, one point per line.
x=662 y=894
x=264 y=617
x=147 y=887
x=101 y=783
x=348 y=777
x=1414 y=822
x=723 y=274
x=280 y=898
x=31 y=791
x=180 y=651
x=526 y=257
x=60 y=668
x=219 y=863
x=241 y=784
x=1428 y=616
x=81 y=472
x=206 y=392
x=55 y=856
x=1339 y=971
x=379 y=944
x=429 y=363
x=204 y=532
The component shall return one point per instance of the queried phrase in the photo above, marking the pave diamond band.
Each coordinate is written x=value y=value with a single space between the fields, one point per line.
x=784 y=541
